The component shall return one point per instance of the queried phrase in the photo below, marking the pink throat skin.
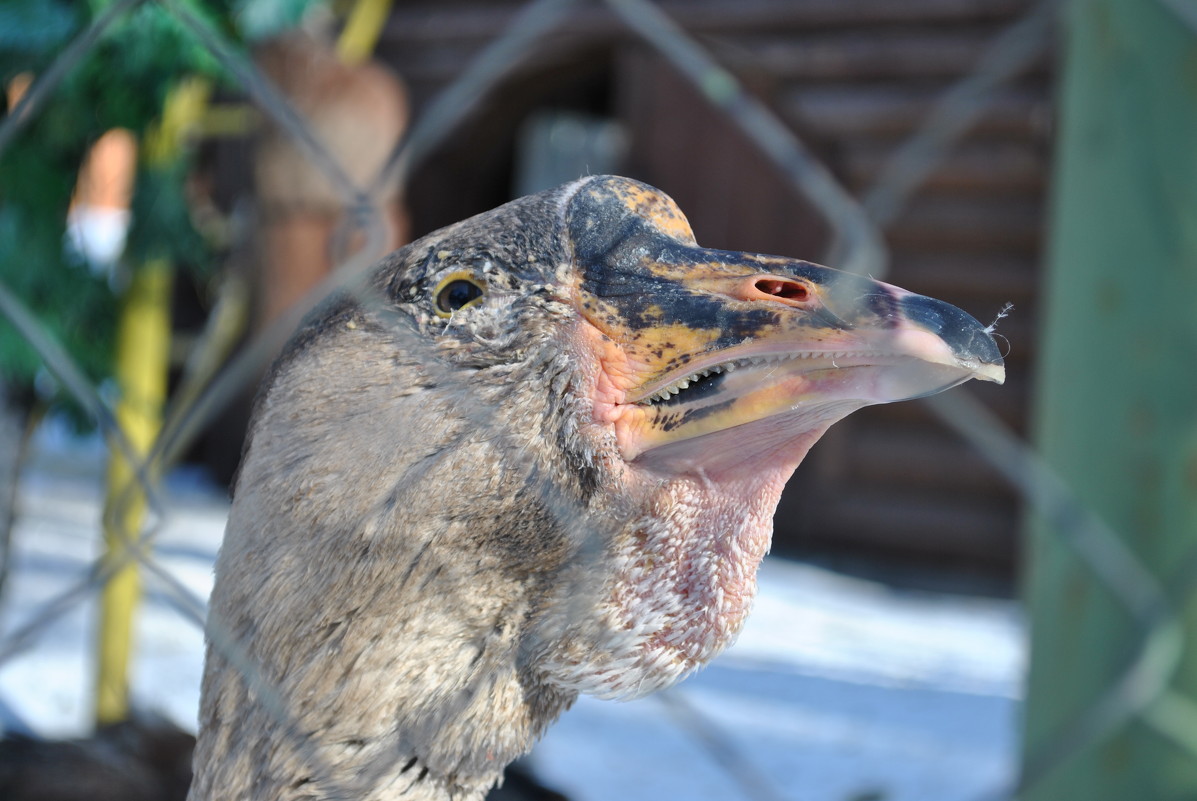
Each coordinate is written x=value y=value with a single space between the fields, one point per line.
x=683 y=566
x=683 y=581
x=695 y=577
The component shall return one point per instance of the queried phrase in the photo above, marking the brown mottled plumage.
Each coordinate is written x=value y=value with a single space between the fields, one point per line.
x=538 y=457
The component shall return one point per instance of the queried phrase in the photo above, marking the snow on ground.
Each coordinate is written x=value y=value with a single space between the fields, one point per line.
x=839 y=689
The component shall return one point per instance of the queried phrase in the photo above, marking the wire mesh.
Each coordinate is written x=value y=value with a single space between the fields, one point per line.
x=1142 y=692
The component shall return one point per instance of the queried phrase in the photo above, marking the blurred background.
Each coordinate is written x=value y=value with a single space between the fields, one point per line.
x=984 y=596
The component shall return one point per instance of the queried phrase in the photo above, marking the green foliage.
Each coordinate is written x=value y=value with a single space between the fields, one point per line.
x=122 y=82
x=31 y=31
x=37 y=176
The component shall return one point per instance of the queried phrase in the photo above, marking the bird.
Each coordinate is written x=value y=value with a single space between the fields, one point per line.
x=531 y=455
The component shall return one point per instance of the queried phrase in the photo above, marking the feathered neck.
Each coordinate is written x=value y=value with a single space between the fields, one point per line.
x=382 y=558
x=424 y=566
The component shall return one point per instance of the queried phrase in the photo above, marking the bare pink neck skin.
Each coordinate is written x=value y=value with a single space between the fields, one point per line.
x=684 y=568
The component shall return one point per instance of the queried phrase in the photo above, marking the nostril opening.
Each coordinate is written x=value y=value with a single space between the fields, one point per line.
x=790 y=290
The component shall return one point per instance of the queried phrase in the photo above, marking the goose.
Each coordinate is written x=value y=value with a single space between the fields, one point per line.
x=535 y=454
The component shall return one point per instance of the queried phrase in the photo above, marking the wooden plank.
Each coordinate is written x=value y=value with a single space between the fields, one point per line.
x=966 y=224
x=422 y=22
x=872 y=53
x=863 y=110
x=997 y=275
x=985 y=167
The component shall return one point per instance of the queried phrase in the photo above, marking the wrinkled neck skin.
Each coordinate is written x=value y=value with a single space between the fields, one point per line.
x=412 y=622
x=684 y=576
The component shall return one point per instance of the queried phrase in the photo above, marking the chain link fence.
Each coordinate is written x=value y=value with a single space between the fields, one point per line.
x=857 y=245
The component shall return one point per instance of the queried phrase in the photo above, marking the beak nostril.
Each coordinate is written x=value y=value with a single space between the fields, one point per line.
x=780 y=288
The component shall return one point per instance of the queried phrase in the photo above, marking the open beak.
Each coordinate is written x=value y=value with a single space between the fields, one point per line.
x=756 y=352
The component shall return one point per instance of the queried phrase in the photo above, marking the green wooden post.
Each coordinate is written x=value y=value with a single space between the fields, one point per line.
x=1117 y=395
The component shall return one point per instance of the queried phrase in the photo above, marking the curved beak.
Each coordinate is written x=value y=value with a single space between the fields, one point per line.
x=694 y=342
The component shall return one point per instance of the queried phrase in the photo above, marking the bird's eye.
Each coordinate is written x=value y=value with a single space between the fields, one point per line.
x=456 y=291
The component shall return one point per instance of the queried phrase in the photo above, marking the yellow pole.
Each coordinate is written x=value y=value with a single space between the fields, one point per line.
x=362 y=30
x=143 y=343
x=142 y=360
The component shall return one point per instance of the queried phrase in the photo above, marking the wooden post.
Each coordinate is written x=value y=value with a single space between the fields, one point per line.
x=1117 y=402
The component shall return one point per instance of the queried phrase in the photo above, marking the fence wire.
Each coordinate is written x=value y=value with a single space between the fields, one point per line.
x=1142 y=692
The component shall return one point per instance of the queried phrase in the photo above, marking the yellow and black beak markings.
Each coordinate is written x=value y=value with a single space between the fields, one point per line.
x=721 y=337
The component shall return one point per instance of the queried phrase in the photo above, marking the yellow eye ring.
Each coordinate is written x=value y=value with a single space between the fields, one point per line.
x=456 y=291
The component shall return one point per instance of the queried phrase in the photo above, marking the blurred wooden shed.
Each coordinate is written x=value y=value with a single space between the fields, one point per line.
x=853 y=78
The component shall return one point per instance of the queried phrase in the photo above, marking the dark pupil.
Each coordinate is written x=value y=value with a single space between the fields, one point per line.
x=457 y=294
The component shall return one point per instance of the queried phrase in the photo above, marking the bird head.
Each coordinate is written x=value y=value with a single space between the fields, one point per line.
x=686 y=382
